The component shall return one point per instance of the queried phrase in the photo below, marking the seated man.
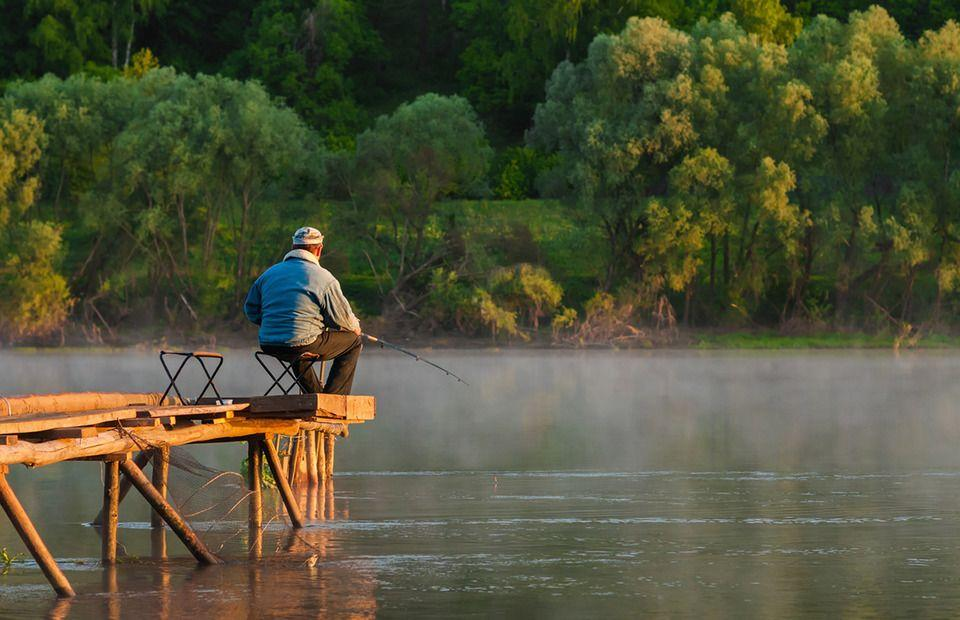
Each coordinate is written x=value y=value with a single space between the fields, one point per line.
x=300 y=308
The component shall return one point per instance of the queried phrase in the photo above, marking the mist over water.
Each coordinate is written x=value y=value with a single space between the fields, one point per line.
x=570 y=483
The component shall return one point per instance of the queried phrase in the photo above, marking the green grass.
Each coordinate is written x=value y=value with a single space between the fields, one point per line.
x=825 y=340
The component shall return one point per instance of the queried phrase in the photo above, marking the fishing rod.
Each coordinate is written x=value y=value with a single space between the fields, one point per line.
x=390 y=345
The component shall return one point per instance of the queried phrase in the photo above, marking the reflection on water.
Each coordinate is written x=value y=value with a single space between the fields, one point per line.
x=569 y=484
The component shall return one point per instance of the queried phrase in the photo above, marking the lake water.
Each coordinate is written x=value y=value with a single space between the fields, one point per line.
x=561 y=484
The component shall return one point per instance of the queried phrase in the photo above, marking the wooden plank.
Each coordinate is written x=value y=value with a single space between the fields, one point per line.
x=119 y=441
x=74 y=432
x=335 y=406
x=37 y=422
x=71 y=402
x=223 y=415
x=188 y=410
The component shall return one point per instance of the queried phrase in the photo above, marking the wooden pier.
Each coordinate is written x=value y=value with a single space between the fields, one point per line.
x=128 y=431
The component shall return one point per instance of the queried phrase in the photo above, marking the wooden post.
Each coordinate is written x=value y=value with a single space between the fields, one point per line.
x=321 y=457
x=30 y=537
x=158 y=543
x=141 y=460
x=289 y=501
x=160 y=474
x=328 y=440
x=296 y=455
x=111 y=507
x=312 y=473
x=255 y=512
x=174 y=520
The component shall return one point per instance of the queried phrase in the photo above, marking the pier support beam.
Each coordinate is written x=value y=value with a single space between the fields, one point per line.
x=289 y=501
x=141 y=460
x=296 y=456
x=328 y=444
x=180 y=527
x=28 y=533
x=312 y=474
x=160 y=473
x=255 y=512
x=110 y=510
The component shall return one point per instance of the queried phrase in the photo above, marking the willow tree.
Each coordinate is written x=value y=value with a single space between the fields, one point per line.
x=620 y=123
x=426 y=150
x=715 y=111
x=35 y=300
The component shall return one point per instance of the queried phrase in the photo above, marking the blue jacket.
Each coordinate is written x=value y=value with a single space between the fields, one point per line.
x=295 y=300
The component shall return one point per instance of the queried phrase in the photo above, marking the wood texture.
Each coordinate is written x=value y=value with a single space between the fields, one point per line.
x=69 y=402
x=311 y=455
x=159 y=475
x=28 y=533
x=37 y=422
x=318 y=405
x=111 y=510
x=179 y=526
x=141 y=460
x=328 y=446
x=110 y=442
x=188 y=410
x=70 y=432
x=255 y=510
x=286 y=493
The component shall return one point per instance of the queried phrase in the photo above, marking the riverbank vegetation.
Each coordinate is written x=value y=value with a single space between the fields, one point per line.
x=530 y=174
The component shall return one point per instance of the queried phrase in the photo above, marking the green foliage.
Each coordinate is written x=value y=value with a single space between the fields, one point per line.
x=526 y=289
x=164 y=179
x=768 y=19
x=7 y=560
x=497 y=319
x=429 y=149
x=516 y=171
x=301 y=52
x=35 y=300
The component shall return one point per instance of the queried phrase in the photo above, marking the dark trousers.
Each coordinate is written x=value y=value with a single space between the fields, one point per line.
x=341 y=347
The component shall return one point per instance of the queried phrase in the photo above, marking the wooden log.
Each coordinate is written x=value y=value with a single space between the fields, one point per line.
x=179 y=526
x=158 y=543
x=159 y=475
x=74 y=401
x=286 y=493
x=141 y=460
x=328 y=441
x=37 y=422
x=255 y=512
x=296 y=456
x=111 y=509
x=354 y=407
x=48 y=452
x=311 y=456
x=21 y=522
x=321 y=456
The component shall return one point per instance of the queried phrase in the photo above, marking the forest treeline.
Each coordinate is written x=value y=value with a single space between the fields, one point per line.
x=505 y=168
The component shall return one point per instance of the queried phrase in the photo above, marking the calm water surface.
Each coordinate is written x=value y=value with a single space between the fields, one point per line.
x=560 y=483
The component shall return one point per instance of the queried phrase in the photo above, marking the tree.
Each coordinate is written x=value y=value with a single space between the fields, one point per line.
x=301 y=52
x=35 y=301
x=426 y=150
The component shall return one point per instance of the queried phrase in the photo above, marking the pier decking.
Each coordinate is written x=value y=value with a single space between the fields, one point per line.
x=126 y=431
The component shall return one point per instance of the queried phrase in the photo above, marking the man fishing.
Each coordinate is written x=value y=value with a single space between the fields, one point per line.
x=300 y=309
